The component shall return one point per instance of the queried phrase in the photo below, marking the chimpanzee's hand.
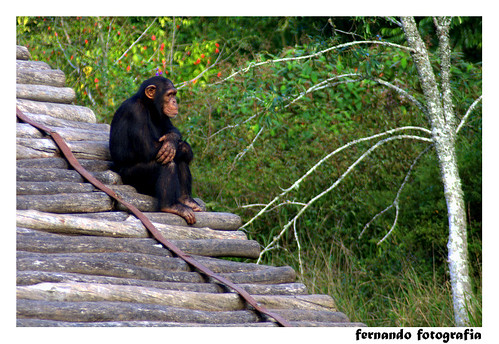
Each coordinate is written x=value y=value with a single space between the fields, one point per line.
x=168 y=149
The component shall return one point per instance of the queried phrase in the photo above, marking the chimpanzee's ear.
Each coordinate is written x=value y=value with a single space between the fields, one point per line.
x=150 y=91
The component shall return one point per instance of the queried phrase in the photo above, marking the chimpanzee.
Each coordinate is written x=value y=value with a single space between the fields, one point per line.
x=148 y=151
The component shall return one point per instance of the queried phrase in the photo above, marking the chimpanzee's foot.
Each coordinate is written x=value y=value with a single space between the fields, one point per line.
x=183 y=211
x=188 y=201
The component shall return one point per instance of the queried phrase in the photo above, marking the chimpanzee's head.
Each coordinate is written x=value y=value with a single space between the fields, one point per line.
x=162 y=93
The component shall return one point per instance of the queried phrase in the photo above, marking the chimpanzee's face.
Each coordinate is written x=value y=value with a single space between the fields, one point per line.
x=169 y=101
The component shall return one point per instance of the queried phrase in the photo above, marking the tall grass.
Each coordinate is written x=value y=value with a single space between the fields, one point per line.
x=402 y=300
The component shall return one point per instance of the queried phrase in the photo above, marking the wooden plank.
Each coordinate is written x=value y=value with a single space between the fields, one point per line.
x=274 y=275
x=25 y=130
x=124 y=311
x=47 y=175
x=66 y=123
x=64 y=223
x=104 y=268
x=214 y=220
x=27 y=148
x=66 y=203
x=146 y=260
x=63 y=175
x=27 y=64
x=52 y=188
x=81 y=292
x=37 y=241
x=78 y=292
x=110 y=311
x=101 y=267
x=49 y=77
x=22 y=53
x=275 y=289
x=28 y=277
x=64 y=111
x=61 y=163
x=44 y=242
x=45 y=93
x=53 y=323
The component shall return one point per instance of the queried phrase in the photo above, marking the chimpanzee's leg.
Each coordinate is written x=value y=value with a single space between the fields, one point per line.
x=161 y=181
x=185 y=180
x=141 y=176
x=169 y=192
x=183 y=158
x=167 y=185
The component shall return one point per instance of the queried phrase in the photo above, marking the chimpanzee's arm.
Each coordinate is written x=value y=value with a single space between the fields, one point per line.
x=131 y=139
x=169 y=147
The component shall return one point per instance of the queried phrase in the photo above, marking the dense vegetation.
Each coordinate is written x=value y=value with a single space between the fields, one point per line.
x=253 y=135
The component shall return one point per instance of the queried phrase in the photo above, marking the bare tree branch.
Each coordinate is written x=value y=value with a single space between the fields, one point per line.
x=321 y=85
x=340 y=46
x=336 y=183
x=185 y=83
x=136 y=41
x=395 y=202
x=470 y=109
x=243 y=153
x=402 y=92
x=299 y=246
x=287 y=202
x=235 y=125
x=397 y=210
x=297 y=183
x=394 y=21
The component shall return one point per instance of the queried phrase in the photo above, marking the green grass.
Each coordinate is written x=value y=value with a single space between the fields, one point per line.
x=402 y=300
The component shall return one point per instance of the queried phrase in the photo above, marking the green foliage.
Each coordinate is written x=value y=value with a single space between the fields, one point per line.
x=257 y=132
x=95 y=52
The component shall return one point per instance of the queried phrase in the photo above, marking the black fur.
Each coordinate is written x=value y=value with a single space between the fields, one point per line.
x=134 y=143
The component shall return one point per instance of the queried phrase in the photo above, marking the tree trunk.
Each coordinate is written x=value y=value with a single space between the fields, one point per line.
x=443 y=123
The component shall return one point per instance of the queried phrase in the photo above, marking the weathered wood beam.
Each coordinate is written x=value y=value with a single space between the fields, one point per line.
x=214 y=220
x=44 y=93
x=24 y=130
x=60 y=197
x=36 y=184
x=27 y=148
x=34 y=277
x=61 y=163
x=48 y=77
x=63 y=175
x=66 y=123
x=165 y=262
x=51 y=188
x=22 y=53
x=64 y=111
x=66 y=203
x=54 y=323
x=63 y=223
x=106 y=268
x=27 y=64
x=37 y=241
x=82 y=292
x=28 y=277
x=123 y=311
x=100 y=267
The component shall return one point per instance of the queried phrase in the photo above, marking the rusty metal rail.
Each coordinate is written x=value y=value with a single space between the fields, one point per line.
x=66 y=151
